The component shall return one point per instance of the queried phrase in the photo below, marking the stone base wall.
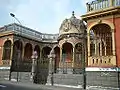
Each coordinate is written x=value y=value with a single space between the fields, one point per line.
x=93 y=78
x=103 y=78
x=21 y=76
x=68 y=79
x=4 y=74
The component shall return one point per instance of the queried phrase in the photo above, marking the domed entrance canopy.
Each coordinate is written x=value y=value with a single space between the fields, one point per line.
x=72 y=25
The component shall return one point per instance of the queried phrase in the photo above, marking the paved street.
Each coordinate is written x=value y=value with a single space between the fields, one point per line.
x=6 y=85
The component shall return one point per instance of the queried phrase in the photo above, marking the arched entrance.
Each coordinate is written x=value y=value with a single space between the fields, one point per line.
x=45 y=52
x=57 y=59
x=17 y=50
x=37 y=49
x=67 y=53
x=28 y=52
x=6 y=52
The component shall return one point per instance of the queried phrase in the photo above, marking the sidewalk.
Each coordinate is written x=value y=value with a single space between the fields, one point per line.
x=55 y=87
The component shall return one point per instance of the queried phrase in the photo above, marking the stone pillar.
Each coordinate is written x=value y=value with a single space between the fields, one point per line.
x=113 y=42
x=51 y=57
x=10 y=63
x=88 y=36
x=73 y=61
x=1 y=50
x=111 y=3
x=88 y=44
x=34 y=63
x=100 y=47
x=23 y=51
x=114 y=61
x=60 y=70
x=105 y=50
x=50 y=77
x=33 y=69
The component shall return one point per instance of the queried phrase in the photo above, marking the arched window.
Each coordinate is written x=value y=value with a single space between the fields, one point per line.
x=37 y=48
x=7 y=50
x=17 y=50
x=28 y=51
x=45 y=52
x=67 y=52
x=103 y=38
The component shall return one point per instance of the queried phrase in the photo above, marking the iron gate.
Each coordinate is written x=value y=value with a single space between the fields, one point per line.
x=42 y=70
x=21 y=66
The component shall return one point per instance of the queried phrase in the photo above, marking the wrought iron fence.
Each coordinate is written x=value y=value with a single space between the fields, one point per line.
x=21 y=66
x=42 y=71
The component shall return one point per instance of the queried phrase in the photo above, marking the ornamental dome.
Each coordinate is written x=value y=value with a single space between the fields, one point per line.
x=72 y=25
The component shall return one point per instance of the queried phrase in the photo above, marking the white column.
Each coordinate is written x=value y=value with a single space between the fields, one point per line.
x=33 y=69
x=105 y=50
x=88 y=38
x=113 y=42
x=11 y=55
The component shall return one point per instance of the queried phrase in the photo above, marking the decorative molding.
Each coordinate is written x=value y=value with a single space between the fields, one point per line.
x=99 y=21
x=66 y=26
x=2 y=68
x=113 y=69
x=110 y=24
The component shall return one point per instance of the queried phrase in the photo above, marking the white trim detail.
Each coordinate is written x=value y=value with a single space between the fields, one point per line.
x=102 y=69
x=2 y=68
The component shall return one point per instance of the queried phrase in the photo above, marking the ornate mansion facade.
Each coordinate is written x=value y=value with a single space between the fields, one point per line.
x=95 y=43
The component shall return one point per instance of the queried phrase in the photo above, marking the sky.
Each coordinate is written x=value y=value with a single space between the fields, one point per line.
x=44 y=16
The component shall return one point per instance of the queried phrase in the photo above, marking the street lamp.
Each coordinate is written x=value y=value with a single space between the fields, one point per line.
x=84 y=59
x=13 y=15
x=51 y=57
x=34 y=63
x=19 y=52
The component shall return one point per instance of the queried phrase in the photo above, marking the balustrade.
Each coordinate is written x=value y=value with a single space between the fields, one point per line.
x=102 y=4
x=27 y=32
x=6 y=62
x=102 y=61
